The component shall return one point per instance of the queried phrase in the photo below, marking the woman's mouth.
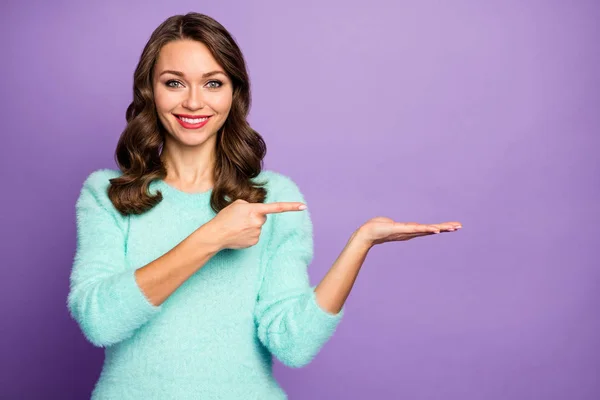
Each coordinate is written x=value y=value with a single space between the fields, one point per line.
x=192 y=122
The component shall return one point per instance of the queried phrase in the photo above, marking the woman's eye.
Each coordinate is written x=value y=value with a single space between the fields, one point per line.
x=211 y=84
x=218 y=83
x=168 y=83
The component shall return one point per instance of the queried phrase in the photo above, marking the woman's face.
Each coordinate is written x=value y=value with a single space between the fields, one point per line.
x=188 y=81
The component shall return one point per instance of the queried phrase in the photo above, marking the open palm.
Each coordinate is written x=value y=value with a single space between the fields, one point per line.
x=382 y=229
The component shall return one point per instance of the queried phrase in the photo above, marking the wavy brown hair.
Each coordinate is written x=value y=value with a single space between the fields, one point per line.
x=239 y=150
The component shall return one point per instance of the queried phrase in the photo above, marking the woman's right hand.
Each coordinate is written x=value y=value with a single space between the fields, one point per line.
x=238 y=225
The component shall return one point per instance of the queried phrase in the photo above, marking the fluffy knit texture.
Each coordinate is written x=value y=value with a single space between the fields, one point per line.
x=216 y=335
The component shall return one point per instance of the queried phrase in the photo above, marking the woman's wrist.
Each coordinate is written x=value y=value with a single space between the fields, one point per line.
x=359 y=239
x=207 y=239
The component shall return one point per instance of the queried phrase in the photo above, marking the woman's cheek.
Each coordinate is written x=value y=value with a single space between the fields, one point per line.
x=224 y=103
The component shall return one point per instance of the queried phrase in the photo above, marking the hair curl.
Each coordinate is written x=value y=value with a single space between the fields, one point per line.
x=240 y=150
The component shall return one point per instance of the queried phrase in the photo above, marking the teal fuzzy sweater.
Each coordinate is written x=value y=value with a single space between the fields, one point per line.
x=214 y=337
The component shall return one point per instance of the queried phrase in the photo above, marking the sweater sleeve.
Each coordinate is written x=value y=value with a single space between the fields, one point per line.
x=291 y=324
x=104 y=298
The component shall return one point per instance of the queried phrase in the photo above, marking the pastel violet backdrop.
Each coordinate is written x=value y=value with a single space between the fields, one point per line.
x=481 y=112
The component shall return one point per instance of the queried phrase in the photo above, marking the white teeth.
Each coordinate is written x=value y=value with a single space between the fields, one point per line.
x=193 y=121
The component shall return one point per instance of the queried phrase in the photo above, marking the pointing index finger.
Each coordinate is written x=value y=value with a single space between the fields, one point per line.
x=279 y=207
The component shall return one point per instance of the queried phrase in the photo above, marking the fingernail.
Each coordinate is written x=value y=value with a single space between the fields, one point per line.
x=302 y=207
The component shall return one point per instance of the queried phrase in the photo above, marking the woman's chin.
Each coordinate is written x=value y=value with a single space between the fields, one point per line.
x=192 y=139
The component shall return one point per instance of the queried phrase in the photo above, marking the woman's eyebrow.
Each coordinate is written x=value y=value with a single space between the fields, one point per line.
x=181 y=74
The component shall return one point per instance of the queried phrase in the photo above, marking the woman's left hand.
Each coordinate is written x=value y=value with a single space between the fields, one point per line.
x=382 y=229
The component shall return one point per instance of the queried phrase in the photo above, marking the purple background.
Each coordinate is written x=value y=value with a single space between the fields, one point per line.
x=480 y=112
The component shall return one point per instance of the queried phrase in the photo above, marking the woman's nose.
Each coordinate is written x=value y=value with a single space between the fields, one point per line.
x=194 y=99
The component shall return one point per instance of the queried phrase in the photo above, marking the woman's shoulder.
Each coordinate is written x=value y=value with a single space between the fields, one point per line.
x=94 y=190
x=280 y=187
x=101 y=177
x=98 y=181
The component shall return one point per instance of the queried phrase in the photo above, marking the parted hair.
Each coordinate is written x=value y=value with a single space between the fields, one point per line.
x=240 y=150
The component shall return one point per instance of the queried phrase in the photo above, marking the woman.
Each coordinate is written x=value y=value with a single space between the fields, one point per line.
x=191 y=261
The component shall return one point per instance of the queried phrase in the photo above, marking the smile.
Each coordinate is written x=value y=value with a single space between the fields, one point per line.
x=192 y=123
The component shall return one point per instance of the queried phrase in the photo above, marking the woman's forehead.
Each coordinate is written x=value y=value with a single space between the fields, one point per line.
x=190 y=57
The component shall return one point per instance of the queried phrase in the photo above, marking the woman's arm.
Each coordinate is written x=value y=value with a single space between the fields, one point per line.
x=334 y=288
x=107 y=299
x=161 y=277
x=290 y=322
